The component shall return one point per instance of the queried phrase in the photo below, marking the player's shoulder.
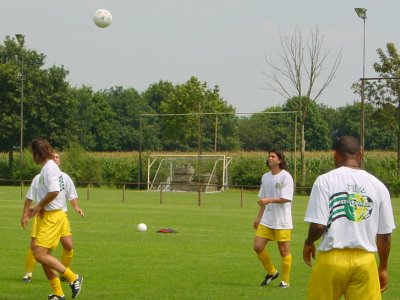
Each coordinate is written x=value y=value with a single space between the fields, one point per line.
x=285 y=173
x=65 y=175
x=267 y=174
x=51 y=165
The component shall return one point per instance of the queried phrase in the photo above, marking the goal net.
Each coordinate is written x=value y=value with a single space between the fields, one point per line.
x=188 y=173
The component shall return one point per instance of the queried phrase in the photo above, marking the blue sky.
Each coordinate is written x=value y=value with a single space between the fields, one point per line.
x=222 y=42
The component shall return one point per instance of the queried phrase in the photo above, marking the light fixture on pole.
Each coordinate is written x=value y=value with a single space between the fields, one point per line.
x=21 y=41
x=362 y=14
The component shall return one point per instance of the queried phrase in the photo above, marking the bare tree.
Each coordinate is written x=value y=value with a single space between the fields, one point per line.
x=299 y=75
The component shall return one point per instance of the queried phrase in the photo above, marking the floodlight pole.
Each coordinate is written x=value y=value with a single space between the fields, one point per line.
x=21 y=41
x=140 y=177
x=362 y=14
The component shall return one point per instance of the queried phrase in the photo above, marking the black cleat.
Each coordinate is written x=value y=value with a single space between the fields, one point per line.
x=76 y=286
x=55 y=297
x=269 y=278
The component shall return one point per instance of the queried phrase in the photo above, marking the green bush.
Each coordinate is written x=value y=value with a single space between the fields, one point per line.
x=245 y=169
x=82 y=166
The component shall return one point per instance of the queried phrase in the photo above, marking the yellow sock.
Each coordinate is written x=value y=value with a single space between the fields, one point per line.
x=30 y=261
x=71 y=276
x=266 y=261
x=66 y=257
x=286 y=266
x=56 y=286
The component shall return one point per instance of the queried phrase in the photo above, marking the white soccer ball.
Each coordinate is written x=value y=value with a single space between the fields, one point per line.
x=141 y=227
x=102 y=18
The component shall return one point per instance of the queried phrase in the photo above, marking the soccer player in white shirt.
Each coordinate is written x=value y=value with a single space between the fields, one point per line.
x=51 y=221
x=69 y=194
x=350 y=210
x=274 y=218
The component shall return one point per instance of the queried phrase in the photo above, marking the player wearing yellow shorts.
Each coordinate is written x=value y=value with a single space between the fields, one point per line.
x=274 y=218
x=351 y=211
x=51 y=219
x=69 y=194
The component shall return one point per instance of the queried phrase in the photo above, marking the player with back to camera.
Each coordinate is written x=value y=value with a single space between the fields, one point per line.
x=51 y=221
x=274 y=219
x=70 y=194
x=351 y=211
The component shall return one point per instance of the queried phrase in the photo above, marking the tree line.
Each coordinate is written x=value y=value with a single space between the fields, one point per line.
x=189 y=116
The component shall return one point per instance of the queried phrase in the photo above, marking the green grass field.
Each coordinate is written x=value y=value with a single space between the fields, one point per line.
x=210 y=257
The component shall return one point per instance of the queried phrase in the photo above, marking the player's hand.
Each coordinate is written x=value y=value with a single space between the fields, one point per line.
x=24 y=221
x=383 y=279
x=255 y=224
x=37 y=210
x=80 y=211
x=263 y=201
x=32 y=212
x=308 y=253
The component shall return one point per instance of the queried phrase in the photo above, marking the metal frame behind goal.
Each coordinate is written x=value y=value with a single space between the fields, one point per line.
x=188 y=173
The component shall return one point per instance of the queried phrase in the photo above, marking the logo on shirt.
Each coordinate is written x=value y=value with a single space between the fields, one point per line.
x=353 y=206
x=61 y=183
x=278 y=186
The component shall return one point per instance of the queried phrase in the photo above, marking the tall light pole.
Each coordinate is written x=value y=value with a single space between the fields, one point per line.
x=21 y=41
x=362 y=14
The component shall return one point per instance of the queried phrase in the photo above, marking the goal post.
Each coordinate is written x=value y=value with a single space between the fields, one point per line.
x=188 y=173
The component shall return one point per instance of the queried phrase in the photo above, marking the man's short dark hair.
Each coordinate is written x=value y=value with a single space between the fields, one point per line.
x=347 y=146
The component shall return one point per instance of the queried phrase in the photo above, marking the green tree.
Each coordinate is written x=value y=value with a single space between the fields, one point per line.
x=128 y=105
x=104 y=126
x=386 y=93
x=185 y=125
x=156 y=93
x=268 y=130
x=83 y=111
x=45 y=98
x=97 y=128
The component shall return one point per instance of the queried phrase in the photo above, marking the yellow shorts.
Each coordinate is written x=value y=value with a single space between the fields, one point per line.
x=279 y=235
x=349 y=272
x=65 y=232
x=33 y=231
x=50 y=228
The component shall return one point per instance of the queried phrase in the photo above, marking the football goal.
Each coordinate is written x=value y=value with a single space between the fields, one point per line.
x=188 y=173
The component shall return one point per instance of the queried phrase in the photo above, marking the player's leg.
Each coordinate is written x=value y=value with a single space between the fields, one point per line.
x=283 y=237
x=49 y=265
x=263 y=236
x=30 y=263
x=329 y=275
x=66 y=242
x=68 y=251
x=365 y=279
x=48 y=235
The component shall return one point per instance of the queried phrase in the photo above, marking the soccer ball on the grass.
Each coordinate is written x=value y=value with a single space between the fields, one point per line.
x=141 y=227
x=102 y=18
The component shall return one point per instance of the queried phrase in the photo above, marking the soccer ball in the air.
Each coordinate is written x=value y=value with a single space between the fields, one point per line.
x=102 y=18
x=141 y=227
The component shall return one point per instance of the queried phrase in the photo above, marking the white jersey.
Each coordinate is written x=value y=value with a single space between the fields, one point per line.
x=70 y=190
x=32 y=192
x=353 y=205
x=277 y=215
x=68 y=193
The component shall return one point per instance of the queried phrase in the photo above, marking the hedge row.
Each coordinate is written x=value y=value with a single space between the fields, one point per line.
x=245 y=168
